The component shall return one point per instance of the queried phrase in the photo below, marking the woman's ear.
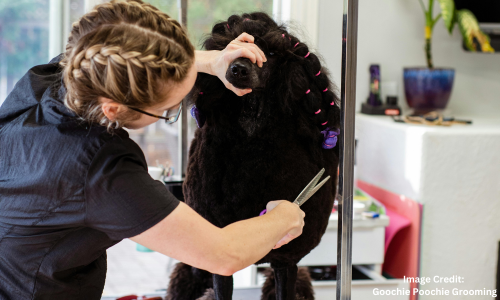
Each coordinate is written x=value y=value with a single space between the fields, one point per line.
x=110 y=108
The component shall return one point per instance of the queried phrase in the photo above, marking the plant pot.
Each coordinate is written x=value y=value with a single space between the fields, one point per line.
x=428 y=89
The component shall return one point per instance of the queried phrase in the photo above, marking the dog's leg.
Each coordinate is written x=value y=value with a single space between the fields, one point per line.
x=223 y=287
x=285 y=277
x=188 y=283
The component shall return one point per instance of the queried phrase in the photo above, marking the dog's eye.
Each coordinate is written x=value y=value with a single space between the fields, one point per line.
x=271 y=53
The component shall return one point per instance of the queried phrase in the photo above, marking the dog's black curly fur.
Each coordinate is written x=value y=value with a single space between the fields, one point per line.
x=188 y=283
x=303 y=286
x=267 y=144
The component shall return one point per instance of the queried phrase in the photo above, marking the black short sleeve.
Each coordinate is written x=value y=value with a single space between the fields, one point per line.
x=122 y=199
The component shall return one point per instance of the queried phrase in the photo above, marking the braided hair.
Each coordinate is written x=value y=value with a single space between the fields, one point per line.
x=125 y=51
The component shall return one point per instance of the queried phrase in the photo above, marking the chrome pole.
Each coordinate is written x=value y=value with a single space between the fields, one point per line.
x=183 y=122
x=346 y=178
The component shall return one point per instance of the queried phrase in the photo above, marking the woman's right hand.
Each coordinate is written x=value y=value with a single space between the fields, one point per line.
x=296 y=216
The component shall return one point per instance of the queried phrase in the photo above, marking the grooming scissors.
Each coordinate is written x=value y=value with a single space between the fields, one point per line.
x=310 y=189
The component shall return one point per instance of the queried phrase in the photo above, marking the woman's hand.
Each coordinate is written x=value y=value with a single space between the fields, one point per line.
x=296 y=214
x=216 y=62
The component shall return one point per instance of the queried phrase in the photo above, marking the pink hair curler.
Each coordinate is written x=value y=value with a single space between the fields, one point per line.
x=307 y=54
x=318 y=73
x=319 y=110
x=325 y=90
x=308 y=91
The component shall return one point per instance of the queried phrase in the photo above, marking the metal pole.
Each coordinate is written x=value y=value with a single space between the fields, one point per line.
x=183 y=122
x=346 y=178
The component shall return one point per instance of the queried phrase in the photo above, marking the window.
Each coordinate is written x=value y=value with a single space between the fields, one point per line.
x=24 y=40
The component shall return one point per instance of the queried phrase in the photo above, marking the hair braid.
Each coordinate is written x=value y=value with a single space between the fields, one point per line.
x=319 y=101
x=125 y=51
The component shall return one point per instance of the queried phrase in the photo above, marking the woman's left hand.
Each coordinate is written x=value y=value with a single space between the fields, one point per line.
x=216 y=62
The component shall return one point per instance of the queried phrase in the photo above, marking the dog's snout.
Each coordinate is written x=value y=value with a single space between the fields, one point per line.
x=243 y=74
x=239 y=70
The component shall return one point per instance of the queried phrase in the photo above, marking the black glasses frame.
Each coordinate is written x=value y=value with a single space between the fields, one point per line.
x=168 y=120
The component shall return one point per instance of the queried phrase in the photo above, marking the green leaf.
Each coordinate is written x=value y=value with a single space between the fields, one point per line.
x=469 y=28
x=447 y=12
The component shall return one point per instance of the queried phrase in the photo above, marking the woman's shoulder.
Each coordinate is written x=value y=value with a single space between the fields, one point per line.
x=119 y=144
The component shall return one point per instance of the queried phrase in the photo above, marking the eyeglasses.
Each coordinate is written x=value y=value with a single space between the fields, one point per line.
x=170 y=116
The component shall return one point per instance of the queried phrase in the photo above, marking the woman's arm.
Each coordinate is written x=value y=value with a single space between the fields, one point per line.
x=186 y=236
x=216 y=62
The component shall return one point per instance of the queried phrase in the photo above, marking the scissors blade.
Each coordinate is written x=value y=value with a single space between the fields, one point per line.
x=316 y=188
x=309 y=187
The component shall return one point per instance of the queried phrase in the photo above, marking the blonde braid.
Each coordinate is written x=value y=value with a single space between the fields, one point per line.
x=125 y=51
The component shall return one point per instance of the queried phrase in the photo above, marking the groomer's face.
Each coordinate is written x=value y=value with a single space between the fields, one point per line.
x=177 y=92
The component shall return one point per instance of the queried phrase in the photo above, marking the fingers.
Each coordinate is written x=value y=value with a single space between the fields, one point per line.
x=287 y=239
x=242 y=52
x=295 y=232
x=246 y=42
x=245 y=37
x=242 y=46
x=238 y=92
x=283 y=241
x=272 y=204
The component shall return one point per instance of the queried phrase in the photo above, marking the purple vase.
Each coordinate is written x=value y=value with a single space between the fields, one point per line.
x=428 y=89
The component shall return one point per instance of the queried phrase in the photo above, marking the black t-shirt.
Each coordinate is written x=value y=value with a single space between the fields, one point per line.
x=68 y=191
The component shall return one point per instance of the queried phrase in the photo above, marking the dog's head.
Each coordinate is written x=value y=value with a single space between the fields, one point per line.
x=292 y=80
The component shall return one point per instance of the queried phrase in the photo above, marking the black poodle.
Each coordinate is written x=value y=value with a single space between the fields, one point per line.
x=266 y=145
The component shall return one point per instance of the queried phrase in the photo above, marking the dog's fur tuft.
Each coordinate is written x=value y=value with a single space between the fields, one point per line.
x=303 y=286
x=188 y=283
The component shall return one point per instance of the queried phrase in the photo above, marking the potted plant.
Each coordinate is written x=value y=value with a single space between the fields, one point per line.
x=429 y=89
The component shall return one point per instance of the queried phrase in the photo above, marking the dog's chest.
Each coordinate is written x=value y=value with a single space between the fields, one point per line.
x=252 y=115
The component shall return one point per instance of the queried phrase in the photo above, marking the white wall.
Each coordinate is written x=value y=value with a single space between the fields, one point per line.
x=391 y=33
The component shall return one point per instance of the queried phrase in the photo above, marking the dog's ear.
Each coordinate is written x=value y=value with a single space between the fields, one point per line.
x=207 y=93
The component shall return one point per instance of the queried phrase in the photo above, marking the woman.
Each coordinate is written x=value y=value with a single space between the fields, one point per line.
x=72 y=183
